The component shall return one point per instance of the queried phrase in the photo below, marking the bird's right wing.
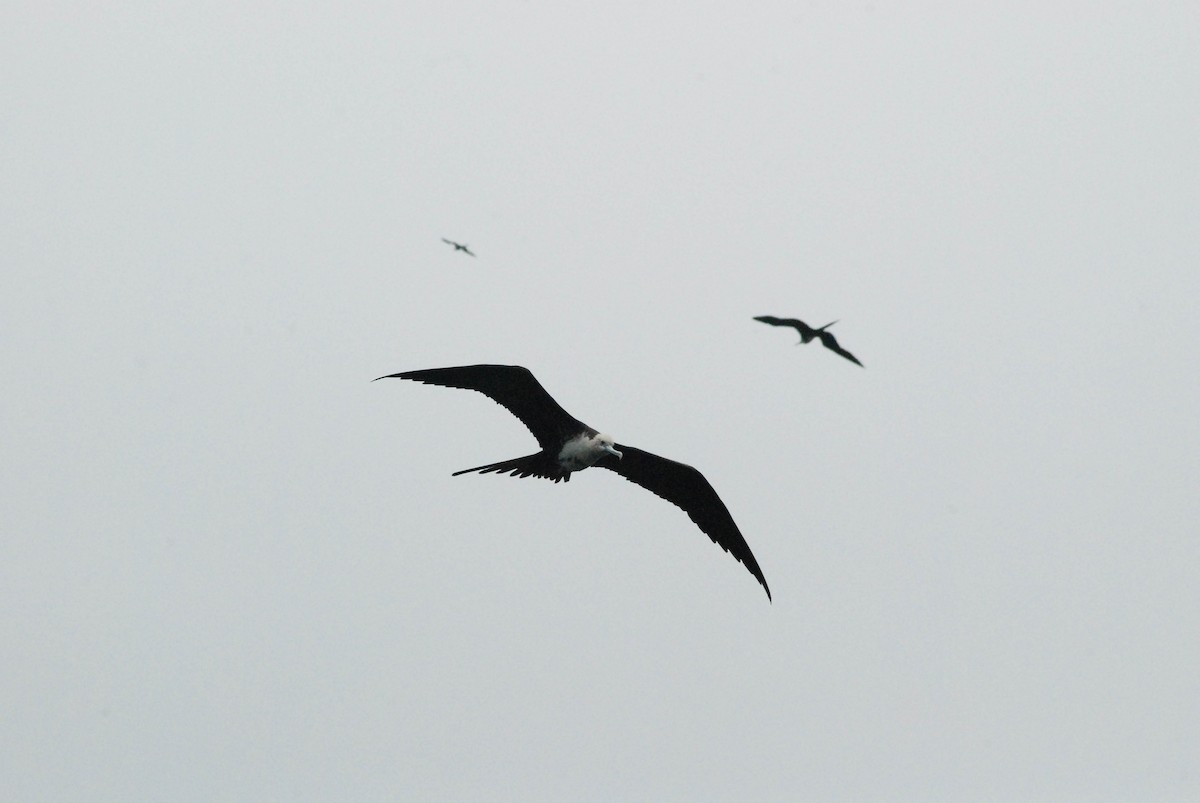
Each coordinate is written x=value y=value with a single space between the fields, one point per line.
x=513 y=387
x=773 y=321
x=685 y=487
x=797 y=324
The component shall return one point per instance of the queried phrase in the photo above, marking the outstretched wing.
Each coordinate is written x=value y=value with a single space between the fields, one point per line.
x=450 y=242
x=685 y=487
x=513 y=387
x=830 y=342
x=798 y=325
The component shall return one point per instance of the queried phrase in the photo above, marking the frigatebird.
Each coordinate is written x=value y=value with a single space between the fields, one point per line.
x=569 y=445
x=807 y=333
x=457 y=246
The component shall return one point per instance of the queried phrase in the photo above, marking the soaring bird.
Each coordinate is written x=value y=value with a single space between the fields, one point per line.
x=807 y=333
x=457 y=246
x=569 y=445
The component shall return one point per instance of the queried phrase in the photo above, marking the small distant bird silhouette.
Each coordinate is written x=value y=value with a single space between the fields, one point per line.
x=807 y=333
x=457 y=246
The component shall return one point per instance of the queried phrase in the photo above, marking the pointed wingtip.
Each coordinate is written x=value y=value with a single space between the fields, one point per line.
x=762 y=580
x=755 y=570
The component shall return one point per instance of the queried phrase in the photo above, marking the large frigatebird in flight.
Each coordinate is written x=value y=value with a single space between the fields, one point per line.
x=457 y=246
x=569 y=445
x=807 y=333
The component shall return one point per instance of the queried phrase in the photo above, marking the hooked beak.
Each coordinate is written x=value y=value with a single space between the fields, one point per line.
x=611 y=450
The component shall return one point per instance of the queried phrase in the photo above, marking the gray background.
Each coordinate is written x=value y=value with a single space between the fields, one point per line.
x=235 y=569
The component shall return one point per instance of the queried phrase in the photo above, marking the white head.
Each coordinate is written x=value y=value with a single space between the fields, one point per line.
x=584 y=451
x=605 y=443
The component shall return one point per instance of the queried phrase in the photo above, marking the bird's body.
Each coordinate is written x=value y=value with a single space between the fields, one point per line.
x=807 y=333
x=458 y=246
x=568 y=445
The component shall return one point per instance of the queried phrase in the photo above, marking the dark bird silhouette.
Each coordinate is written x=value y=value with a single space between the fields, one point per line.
x=807 y=333
x=457 y=246
x=569 y=445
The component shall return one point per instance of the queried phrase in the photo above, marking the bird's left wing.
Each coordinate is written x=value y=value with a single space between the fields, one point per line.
x=830 y=342
x=686 y=488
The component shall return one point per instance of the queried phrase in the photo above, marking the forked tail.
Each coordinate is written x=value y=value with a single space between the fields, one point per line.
x=533 y=465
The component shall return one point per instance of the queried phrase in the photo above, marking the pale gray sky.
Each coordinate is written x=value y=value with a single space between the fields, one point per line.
x=235 y=569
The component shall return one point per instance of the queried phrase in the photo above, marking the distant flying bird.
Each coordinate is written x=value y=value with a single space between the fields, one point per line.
x=457 y=246
x=569 y=445
x=807 y=333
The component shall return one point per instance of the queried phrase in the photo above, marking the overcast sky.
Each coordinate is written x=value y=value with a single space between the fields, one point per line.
x=236 y=569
